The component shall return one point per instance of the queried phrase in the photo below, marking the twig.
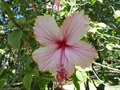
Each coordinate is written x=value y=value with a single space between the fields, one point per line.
x=114 y=69
x=95 y=73
x=111 y=6
x=109 y=36
x=94 y=83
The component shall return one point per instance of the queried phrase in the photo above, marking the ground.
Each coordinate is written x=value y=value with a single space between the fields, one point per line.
x=92 y=87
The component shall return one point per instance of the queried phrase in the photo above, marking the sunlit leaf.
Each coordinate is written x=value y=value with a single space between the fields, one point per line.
x=117 y=13
x=92 y=1
x=101 y=1
x=81 y=74
x=2 y=51
x=103 y=25
x=109 y=47
x=93 y=30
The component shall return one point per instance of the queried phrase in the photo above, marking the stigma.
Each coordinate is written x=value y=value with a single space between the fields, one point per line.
x=62 y=74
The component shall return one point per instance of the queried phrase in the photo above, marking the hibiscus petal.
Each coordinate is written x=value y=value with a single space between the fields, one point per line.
x=53 y=60
x=61 y=62
x=46 y=59
x=46 y=30
x=67 y=64
x=81 y=54
x=75 y=27
x=57 y=5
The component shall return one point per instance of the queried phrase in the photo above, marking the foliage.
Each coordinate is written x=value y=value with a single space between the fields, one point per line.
x=17 y=68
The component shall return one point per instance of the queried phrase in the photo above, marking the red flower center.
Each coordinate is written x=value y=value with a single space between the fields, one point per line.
x=62 y=44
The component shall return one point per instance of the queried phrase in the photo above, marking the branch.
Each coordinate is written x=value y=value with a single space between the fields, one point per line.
x=114 y=69
x=96 y=74
x=11 y=16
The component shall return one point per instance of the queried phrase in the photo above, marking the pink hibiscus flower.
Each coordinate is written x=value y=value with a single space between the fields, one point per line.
x=57 y=5
x=63 y=48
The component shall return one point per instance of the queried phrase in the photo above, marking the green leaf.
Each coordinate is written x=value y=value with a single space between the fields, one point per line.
x=101 y=1
x=30 y=21
x=35 y=72
x=42 y=82
x=10 y=24
x=25 y=36
x=20 y=1
x=2 y=51
x=92 y=1
x=117 y=14
x=1 y=70
x=93 y=30
x=27 y=80
x=81 y=75
x=25 y=58
x=109 y=46
x=14 y=39
x=2 y=83
x=73 y=2
x=21 y=20
x=75 y=82
x=102 y=25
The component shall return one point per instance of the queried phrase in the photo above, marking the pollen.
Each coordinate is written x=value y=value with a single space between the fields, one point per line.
x=62 y=74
